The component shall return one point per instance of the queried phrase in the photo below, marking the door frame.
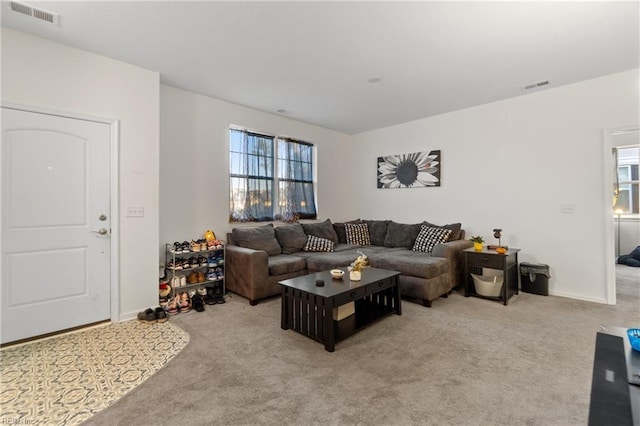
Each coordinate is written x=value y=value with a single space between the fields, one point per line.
x=114 y=183
x=609 y=222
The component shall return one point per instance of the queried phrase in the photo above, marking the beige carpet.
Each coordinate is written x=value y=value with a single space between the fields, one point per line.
x=66 y=379
x=466 y=361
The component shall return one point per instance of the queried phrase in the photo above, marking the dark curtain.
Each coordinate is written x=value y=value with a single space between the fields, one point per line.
x=295 y=181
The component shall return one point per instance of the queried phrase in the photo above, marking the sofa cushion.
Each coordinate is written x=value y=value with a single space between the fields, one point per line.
x=284 y=264
x=429 y=236
x=324 y=261
x=456 y=229
x=410 y=262
x=377 y=231
x=340 y=232
x=322 y=230
x=401 y=235
x=291 y=237
x=357 y=233
x=260 y=238
x=318 y=244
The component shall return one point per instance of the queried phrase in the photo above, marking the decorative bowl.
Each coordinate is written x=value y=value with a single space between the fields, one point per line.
x=501 y=250
x=634 y=338
x=336 y=274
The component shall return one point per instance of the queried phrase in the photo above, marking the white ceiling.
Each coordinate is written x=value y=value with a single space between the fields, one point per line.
x=314 y=59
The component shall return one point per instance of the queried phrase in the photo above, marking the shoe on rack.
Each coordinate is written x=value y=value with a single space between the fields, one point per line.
x=211 y=275
x=192 y=278
x=219 y=273
x=198 y=303
x=209 y=299
x=148 y=315
x=217 y=295
x=172 y=306
x=160 y=314
x=184 y=302
x=203 y=261
x=175 y=266
x=183 y=280
x=186 y=247
x=193 y=262
x=177 y=248
x=194 y=246
x=201 y=277
x=212 y=261
x=192 y=293
x=202 y=291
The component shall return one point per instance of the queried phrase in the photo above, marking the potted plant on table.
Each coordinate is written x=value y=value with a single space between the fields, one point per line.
x=477 y=241
x=355 y=269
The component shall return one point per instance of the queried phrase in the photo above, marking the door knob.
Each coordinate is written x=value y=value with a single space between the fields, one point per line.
x=101 y=231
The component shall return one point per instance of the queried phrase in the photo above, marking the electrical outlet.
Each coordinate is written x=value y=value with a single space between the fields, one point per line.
x=134 y=211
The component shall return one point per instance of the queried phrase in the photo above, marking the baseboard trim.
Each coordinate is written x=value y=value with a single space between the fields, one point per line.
x=600 y=300
x=127 y=316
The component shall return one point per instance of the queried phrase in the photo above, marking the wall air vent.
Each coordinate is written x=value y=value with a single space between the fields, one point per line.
x=536 y=85
x=34 y=12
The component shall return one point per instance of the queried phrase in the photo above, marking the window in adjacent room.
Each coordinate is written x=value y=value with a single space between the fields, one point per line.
x=627 y=184
x=271 y=178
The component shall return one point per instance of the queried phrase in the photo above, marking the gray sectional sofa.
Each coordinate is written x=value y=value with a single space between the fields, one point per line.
x=257 y=258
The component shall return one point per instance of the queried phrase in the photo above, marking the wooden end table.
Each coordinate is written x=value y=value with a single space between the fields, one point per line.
x=308 y=309
x=475 y=260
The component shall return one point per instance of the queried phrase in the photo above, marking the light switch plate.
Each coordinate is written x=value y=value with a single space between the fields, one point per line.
x=134 y=211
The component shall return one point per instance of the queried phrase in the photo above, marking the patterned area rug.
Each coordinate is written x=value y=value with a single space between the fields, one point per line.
x=66 y=379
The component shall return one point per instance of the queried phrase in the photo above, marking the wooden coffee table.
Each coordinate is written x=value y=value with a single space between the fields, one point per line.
x=308 y=309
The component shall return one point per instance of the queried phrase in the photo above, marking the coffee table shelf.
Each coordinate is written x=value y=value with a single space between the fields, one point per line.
x=308 y=309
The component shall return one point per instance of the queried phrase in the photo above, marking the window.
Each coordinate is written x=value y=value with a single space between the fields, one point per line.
x=264 y=186
x=627 y=184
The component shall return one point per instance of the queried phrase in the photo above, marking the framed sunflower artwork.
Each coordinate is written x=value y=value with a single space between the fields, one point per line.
x=415 y=170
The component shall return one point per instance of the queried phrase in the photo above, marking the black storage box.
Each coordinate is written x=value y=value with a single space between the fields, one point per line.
x=534 y=278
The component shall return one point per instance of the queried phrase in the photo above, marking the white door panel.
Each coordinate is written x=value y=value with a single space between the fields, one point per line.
x=55 y=187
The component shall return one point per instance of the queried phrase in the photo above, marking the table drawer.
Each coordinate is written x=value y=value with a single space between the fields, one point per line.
x=485 y=260
x=349 y=296
x=381 y=285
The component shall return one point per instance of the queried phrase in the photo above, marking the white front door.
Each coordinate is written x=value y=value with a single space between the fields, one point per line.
x=55 y=223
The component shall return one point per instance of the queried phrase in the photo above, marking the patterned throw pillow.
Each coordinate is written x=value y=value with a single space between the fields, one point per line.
x=318 y=244
x=357 y=233
x=430 y=236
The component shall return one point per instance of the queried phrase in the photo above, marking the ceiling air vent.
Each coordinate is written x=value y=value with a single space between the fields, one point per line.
x=536 y=85
x=34 y=12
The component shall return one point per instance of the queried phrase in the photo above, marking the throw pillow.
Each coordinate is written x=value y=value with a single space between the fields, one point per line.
x=357 y=233
x=318 y=244
x=340 y=232
x=429 y=236
x=377 y=231
x=322 y=230
x=401 y=235
x=456 y=229
x=260 y=238
x=291 y=237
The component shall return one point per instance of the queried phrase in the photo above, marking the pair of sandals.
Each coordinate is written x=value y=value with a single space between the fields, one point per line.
x=150 y=315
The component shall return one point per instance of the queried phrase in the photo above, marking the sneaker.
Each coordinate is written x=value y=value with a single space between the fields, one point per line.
x=177 y=248
x=209 y=299
x=201 y=277
x=203 y=244
x=172 y=306
x=160 y=315
x=186 y=247
x=194 y=246
x=220 y=259
x=212 y=261
x=174 y=266
x=203 y=261
x=148 y=315
x=184 y=303
x=193 y=262
x=202 y=291
x=192 y=293
x=183 y=281
x=211 y=275
x=219 y=273
x=198 y=303
x=192 y=278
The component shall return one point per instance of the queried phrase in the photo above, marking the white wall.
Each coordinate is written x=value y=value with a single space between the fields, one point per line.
x=512 y=164
x=194 y=163
x=40 y=73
